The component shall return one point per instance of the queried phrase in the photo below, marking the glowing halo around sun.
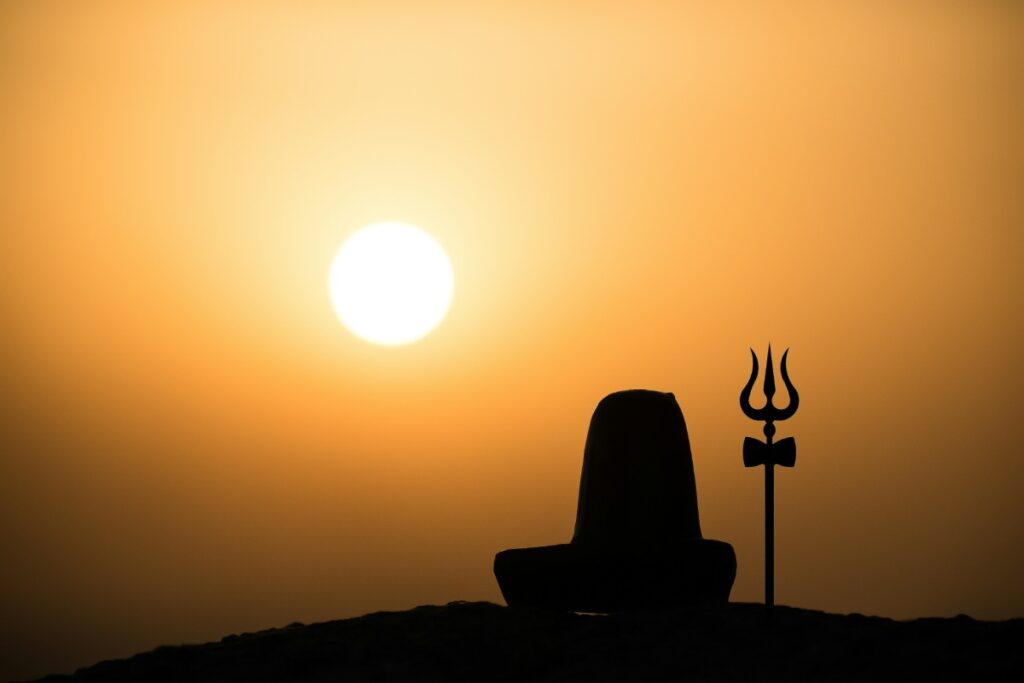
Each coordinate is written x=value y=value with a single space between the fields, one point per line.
x=391 y=283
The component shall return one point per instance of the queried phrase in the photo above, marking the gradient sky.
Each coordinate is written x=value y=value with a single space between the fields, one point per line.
x=631 y=194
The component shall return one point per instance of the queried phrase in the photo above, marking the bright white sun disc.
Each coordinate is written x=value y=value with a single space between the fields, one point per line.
x=391 y=283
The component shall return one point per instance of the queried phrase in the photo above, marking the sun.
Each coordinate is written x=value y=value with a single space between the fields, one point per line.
x=391 y=283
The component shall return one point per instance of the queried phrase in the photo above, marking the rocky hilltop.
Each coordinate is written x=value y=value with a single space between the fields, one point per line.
x=485 y=642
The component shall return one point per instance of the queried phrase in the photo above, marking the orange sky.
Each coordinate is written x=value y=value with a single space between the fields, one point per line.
x=631 y=195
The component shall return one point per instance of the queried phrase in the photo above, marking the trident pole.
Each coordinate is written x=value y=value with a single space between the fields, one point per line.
x=769 y=533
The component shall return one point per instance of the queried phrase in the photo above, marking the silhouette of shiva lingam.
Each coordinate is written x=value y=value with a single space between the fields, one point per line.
x=637 y=543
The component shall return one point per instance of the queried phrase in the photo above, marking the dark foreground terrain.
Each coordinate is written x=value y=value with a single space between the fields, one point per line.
x=485 y=642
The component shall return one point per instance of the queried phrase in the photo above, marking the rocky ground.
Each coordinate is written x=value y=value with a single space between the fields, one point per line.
x=486 y=642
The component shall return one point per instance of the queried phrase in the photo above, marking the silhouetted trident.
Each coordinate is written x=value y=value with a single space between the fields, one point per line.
x=769 y=454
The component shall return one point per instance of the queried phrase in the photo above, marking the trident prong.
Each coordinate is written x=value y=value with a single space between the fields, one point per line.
x=768 y=453
x=769 y=413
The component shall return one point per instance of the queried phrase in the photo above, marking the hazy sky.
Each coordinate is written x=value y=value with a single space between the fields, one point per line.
x=631 y=195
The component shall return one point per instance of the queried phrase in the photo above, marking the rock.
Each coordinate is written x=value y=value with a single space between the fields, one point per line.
x=486 y=642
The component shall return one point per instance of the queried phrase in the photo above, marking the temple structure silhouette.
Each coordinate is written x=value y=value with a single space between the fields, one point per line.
x=637 y=542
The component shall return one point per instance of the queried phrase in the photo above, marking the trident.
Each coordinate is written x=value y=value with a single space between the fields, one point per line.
x=769 y=454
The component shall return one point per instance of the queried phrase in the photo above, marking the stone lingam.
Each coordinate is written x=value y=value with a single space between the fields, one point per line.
x=637 y=543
